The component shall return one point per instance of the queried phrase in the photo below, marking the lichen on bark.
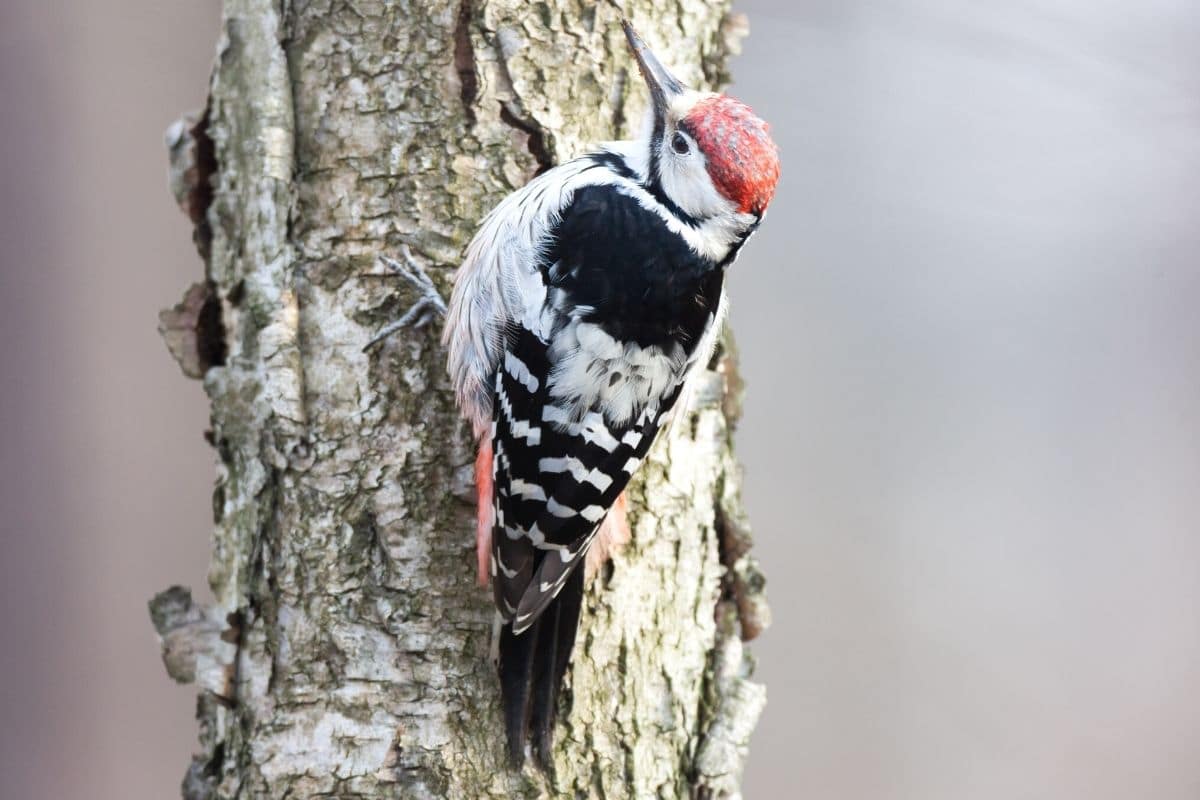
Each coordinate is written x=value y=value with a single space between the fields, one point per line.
x=354 y=643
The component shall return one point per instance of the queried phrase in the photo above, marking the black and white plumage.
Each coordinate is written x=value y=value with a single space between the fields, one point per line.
x=585 y=301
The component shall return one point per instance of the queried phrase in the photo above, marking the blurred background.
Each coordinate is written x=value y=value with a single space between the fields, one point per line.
x=972 y=438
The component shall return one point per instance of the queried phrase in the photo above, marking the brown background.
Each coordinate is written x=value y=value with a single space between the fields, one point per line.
x=972 y=438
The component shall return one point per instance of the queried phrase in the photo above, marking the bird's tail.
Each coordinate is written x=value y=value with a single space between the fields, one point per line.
x=532 y=664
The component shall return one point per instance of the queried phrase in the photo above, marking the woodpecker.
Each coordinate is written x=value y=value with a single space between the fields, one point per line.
x=583 y=304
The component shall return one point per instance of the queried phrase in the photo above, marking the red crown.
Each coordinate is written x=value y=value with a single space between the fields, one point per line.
x=742 y=160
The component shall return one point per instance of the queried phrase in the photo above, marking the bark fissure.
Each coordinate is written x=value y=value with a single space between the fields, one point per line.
x=200 y=194
x=536 y=141
x=351 y=640
x=464 y=60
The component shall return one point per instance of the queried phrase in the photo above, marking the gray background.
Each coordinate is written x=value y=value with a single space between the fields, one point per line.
x=972 y=444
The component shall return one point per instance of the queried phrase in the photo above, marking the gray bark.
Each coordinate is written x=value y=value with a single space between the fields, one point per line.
x=346 y=653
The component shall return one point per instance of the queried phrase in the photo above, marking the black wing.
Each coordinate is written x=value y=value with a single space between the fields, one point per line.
x=554 y=481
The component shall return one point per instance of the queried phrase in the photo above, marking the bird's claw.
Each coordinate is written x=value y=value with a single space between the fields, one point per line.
x=429 y=304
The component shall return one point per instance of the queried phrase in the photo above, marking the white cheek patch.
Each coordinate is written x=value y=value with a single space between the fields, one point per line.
x=686 y=181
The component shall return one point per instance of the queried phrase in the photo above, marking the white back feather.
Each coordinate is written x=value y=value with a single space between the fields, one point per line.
x=499 y=284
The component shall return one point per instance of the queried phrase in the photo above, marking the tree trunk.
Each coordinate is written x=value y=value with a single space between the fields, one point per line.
x=347 y=652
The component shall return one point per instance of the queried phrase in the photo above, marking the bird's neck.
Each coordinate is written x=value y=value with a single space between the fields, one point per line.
x=716 y=236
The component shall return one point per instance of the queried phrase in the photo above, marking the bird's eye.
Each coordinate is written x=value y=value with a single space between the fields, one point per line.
x=680 y=144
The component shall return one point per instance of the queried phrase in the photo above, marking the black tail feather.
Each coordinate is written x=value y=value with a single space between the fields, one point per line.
x=560 y=623
x=532 y=666
x=516 y=671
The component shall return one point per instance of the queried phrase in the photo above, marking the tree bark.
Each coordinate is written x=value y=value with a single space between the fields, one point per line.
x=347 y=651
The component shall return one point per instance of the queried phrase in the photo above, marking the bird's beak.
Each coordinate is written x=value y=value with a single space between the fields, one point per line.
x=664 y=87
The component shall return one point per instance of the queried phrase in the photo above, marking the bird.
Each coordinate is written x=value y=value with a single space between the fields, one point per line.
x=583 y=304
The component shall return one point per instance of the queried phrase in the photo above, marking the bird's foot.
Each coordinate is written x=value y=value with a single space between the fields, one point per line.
x=429 y=305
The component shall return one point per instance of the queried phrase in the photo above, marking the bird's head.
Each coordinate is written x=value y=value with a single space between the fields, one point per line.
x=708 y=153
